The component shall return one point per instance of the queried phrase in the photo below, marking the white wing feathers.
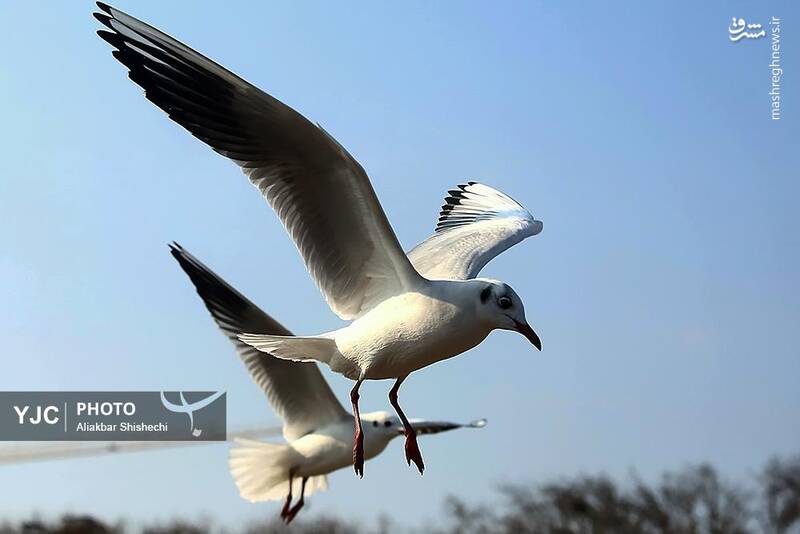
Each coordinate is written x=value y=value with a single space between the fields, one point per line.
x=319 y=191
x=321 y=194
x=476 y=224
x=297 y=392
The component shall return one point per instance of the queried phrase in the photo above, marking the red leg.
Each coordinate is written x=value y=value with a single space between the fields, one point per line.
x=296 y=507
x=285 y=510
x=412 y=449
x=358 y=439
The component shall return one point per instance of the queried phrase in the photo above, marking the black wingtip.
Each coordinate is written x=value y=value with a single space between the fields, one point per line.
x=104 y=7
x=103 y=18
x=110 y=37
x=177 y=251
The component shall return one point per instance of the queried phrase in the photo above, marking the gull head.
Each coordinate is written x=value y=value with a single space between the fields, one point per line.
x=382 y=424
x=501 y=307
x=387 y=426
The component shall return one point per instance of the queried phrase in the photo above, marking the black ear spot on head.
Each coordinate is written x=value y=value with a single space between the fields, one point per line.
x=486 y=292
x=374 y=423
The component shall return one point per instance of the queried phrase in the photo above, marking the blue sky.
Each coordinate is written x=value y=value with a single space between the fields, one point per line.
x=664 y=286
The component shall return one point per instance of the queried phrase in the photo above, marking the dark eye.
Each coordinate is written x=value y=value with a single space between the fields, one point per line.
x=504 y=302
x=387 y=424
x=374 y=423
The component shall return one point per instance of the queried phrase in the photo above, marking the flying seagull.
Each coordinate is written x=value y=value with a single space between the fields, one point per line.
x=407 y=312
x=317 y=428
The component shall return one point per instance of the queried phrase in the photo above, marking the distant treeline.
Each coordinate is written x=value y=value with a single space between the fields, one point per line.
x=696 y=500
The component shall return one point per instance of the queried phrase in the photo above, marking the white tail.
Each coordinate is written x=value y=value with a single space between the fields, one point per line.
x=261 y=471
x=295 y=348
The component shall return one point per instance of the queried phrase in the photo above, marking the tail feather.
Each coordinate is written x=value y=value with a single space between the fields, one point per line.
x=261 y=471
x=298 y=349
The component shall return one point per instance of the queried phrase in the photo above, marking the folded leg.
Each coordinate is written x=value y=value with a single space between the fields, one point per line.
x=285 y=509
x=412 y=449
x=296 y=507
x=358 y=439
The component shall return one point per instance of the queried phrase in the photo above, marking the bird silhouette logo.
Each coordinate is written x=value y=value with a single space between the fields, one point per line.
x=190 y=408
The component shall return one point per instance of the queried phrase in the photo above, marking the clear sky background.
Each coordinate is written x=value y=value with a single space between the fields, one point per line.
x=664 y=286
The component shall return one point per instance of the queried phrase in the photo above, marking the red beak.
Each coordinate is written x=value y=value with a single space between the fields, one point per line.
x=526 y=330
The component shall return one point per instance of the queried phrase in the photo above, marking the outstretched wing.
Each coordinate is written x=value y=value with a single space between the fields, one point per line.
x=476 y=224
x=320 y=193
x=297 y=391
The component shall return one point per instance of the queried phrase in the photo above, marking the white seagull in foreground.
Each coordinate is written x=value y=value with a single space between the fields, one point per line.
x=317 y=428
x=406 y=312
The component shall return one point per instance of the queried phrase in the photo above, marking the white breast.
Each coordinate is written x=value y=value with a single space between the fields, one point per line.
x=322 y=454
x=411 y=331
x=331 y=448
